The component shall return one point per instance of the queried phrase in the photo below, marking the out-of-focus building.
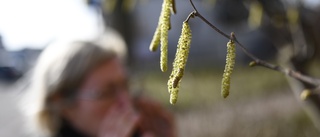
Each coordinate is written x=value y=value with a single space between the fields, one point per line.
x=4 y=55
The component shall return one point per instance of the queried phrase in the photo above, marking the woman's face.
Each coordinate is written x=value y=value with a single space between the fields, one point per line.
x=104 y=87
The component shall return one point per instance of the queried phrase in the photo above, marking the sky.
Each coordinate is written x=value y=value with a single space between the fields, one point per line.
x=312 y=3
x=35 y=23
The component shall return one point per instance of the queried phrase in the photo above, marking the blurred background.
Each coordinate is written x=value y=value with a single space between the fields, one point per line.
x=261 y=102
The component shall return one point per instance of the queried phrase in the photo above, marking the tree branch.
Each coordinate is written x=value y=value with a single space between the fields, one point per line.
x=256 y=61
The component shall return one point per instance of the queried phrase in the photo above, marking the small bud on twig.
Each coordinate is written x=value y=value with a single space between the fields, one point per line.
x=252 y=64
x=305 y=94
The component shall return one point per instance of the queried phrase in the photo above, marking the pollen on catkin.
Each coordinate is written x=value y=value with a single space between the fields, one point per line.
x=230 y=61
x=164 y=28
x=174 y=95
x=180 y=62
x=155 y=40
x=161 y=33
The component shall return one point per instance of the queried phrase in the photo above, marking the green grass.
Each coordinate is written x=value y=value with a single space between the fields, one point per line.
x=200 y=94
x=202 y=87
x=314 y=69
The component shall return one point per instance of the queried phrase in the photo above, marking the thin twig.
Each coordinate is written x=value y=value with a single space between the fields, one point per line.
x=303 y=78
x=194 y=7
x=207 y=22
x=286 y=71
x=191 y=15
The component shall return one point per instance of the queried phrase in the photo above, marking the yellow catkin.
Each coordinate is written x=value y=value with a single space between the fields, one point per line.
x=128 y=5
x=174 y=95
x=255 y=14
x=157 y=34
x=179 y=62
x=155 y=40
x=230 y=61
x=109 y=6
x=165 y=26
x=161 y=33
x=293 y=15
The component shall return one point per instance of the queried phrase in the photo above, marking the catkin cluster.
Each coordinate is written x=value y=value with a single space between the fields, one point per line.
x=161 y=34
x=179 y=63
x=230 y=61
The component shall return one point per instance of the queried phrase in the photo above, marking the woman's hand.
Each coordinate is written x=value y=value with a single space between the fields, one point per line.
x=120 y=121
x=155 y=119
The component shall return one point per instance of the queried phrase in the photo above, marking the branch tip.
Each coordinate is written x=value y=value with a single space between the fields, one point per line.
x=191 y=15
x=232 y=36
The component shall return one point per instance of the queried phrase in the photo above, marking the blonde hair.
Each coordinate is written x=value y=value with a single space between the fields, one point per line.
x=61 y=68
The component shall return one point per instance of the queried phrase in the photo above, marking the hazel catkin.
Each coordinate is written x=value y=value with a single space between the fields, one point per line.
x=164 y=28
x=230 y=62
x=174 y=95
x=155 y=40
x=161 y=33
x=179 y=63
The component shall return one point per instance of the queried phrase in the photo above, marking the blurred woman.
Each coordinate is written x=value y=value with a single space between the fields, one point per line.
x=80 y=89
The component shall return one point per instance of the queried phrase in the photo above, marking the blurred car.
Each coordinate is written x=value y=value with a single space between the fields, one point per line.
x=9 y=74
